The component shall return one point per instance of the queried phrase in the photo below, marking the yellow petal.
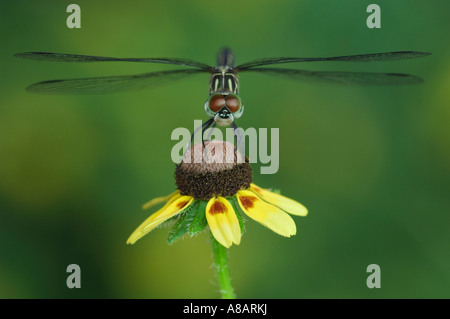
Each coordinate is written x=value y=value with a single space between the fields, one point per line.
x=223 y=222
x=288 y=205
x=175 y=205
x=158 y=200
x=270 y=216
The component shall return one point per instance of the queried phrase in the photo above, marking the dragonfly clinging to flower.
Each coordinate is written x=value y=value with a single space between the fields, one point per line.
x=223 y=105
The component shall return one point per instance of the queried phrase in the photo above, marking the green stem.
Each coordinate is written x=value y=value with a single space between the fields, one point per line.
x=222 y=270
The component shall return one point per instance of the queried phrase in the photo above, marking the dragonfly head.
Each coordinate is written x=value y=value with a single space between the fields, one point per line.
x=224 y=107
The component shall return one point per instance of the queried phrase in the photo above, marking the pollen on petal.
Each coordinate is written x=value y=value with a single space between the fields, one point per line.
x=217 y=208
x=248 y=201
x=182 y=204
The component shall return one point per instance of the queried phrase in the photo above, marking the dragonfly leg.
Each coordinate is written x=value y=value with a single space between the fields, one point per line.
x=239 y=139
x=205 y=126
x=211 y=132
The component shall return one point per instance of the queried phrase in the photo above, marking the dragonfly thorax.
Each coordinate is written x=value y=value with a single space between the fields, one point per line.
x=223 y=80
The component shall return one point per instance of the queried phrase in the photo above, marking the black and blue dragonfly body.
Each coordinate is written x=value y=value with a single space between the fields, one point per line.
x=223 y=105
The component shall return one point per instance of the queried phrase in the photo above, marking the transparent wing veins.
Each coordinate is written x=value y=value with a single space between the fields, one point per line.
x=372 y=57
x=344 y=78
x=63 y=57
x=109 y=84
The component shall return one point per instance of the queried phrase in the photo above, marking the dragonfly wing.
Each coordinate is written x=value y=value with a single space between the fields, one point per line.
x=109 y=84
x=345 y=78
x=372 y=57
x=62 y=57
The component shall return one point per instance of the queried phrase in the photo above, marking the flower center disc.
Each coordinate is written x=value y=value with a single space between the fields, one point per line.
x=214 y=170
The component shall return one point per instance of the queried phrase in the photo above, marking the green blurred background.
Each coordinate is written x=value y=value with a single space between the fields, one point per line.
x=372 y=164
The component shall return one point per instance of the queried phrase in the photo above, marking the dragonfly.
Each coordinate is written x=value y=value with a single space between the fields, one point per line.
x=223 y=105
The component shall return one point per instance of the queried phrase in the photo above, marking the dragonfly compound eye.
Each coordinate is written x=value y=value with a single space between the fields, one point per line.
x=233 y=103
x=216 y=102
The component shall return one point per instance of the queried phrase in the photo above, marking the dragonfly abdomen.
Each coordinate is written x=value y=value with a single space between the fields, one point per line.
x=225 y=58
